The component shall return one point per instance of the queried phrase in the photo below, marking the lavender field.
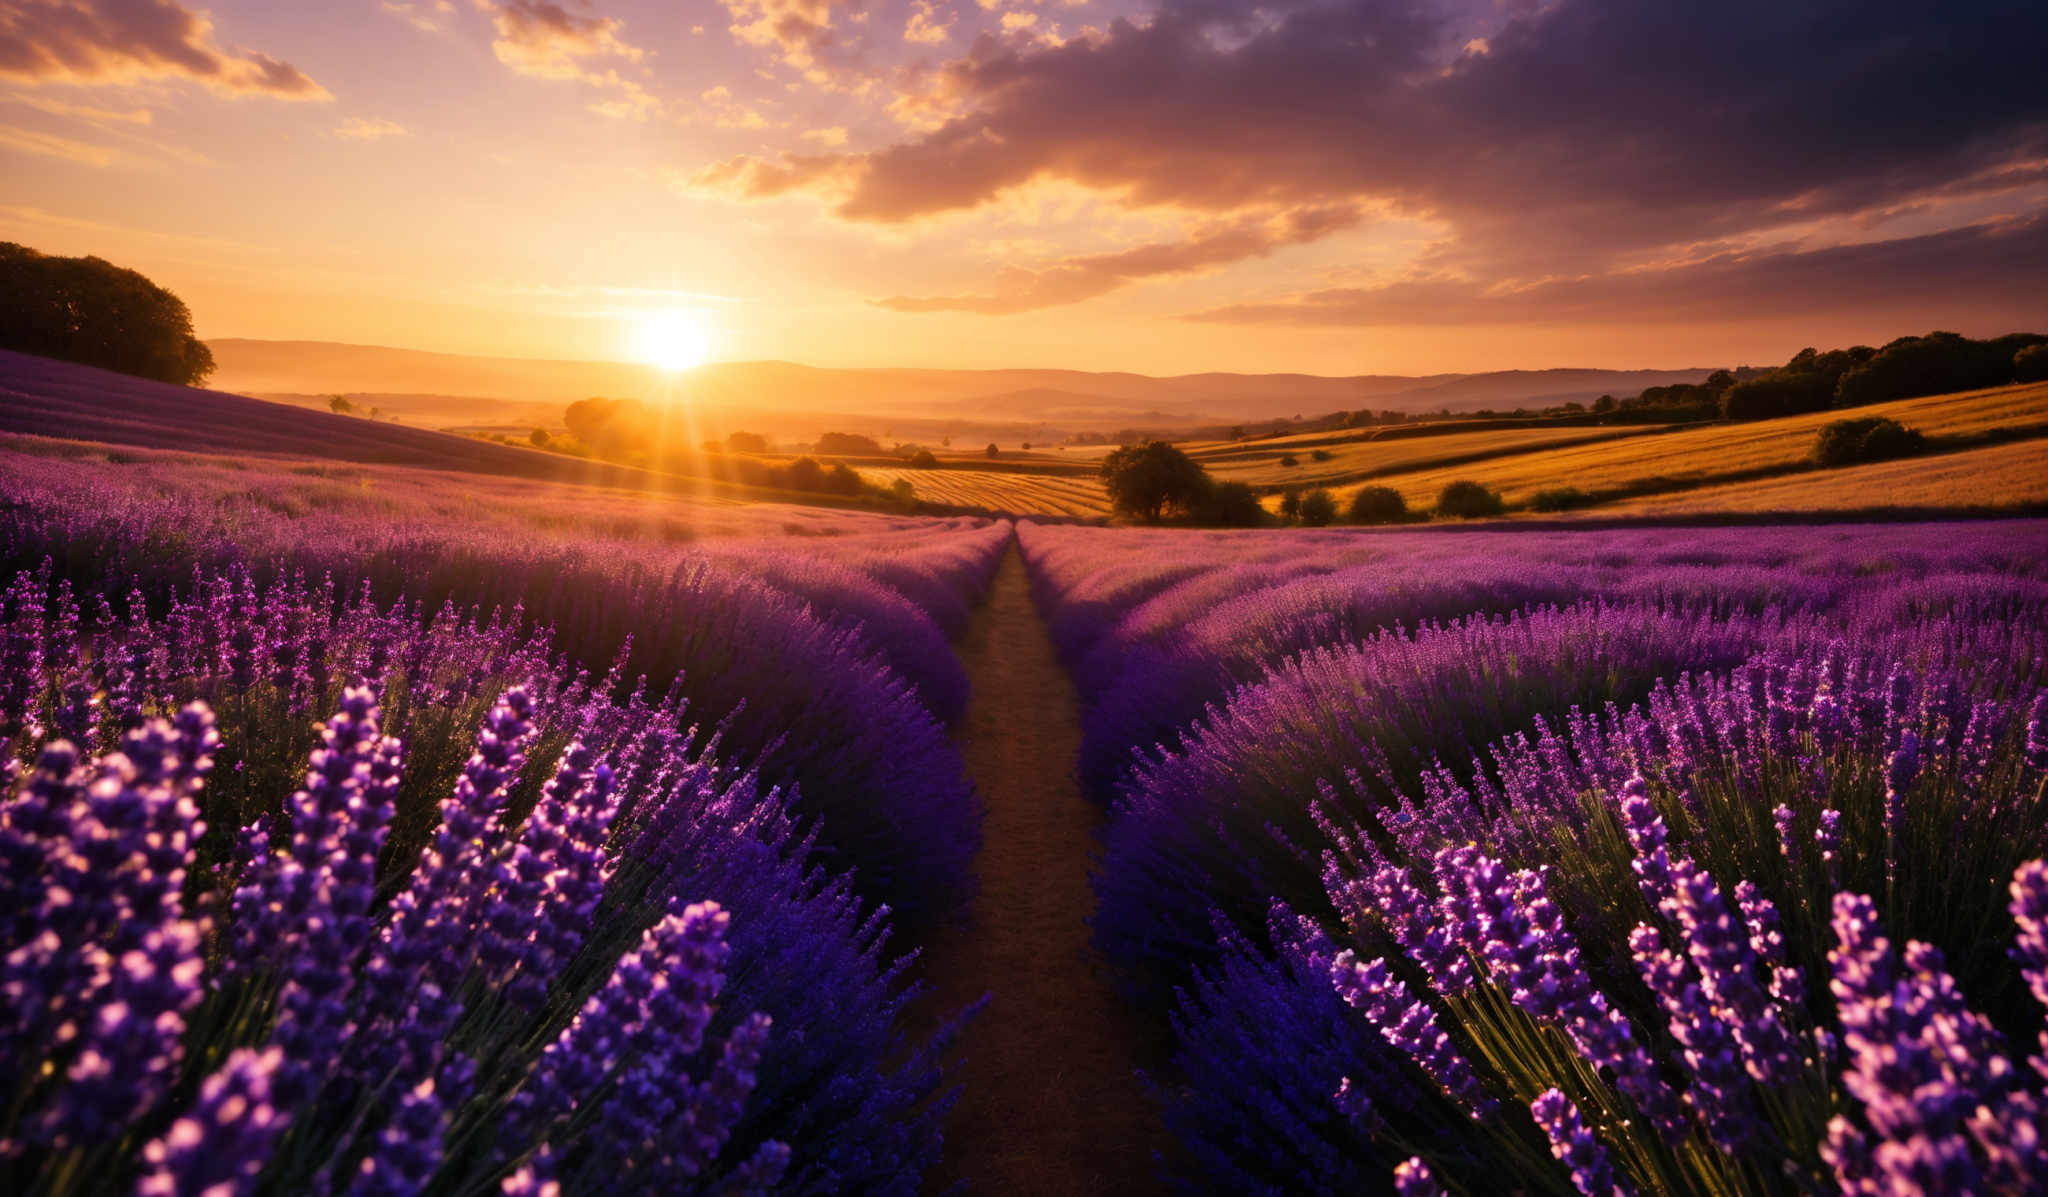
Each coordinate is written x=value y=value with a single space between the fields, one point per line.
x=363 y=839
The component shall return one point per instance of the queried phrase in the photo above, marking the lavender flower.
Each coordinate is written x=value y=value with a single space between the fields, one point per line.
x=1412 y=1178
x=222 y=1145
x=1410 y=1026
x=1574 y=1145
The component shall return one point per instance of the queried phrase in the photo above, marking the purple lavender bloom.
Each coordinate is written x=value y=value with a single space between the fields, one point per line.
x=1828 y=834
x=222 y=1145
x=1410 y=1026
x=408 y=1149
x=1788 y=844
x=1720 y=1089
x=1574 y=1145
x=1727 y=968
x=1648 y=836
x=1412 y=1178
x=1767 y=940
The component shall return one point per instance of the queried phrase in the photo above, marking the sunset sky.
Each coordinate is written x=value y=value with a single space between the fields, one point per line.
x=1326 y=187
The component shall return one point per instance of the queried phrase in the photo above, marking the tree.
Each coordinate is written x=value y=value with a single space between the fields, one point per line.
x=1378 y=505
x=806 y=474
x=1318 y=508
x=1228 y=505
x=2031 y=364
x=340 y=406
x=538 y=438
x=848 y=444
x=1289 y=460
x=1290 y=503
x=1467 y=500
x=1149 y=480
x=924 y=459
x=747 y=442
x=1604 y=404
x=991 y=450
x=91 y=311
x=1026 y=446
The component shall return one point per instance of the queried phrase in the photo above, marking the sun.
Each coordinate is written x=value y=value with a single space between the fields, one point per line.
x=671 y=340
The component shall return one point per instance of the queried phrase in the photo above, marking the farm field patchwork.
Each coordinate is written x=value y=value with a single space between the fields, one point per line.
x=1700 y=455
x=1020 y=494
x=1353 y=457
x=1994 y=476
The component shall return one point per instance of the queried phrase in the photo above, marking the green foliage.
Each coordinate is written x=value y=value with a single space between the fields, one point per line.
x=1867 y=438
x=1935 y=364
x=1150 y=480
x=91 y=311
x=1378 y=505
x=2031 y=364
x=1778 y=393
x=1318 y=508
x=1228 y=505
x=1468 y=500
x=847 y=444
x=1561 y=498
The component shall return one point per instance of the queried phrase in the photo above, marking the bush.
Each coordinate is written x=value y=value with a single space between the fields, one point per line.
x=2031 y=364
x=1468 y=500
x=1562 y=498
x=1229 y=505
x=747 y=442
x=991 y=451
x=1319 y=455
x=1290 y=503
x=538 y=438
x=1868 y=438
x=1318 y=508
x=91 y=311
x=1378 y=505
x=924 y=459
x=1289 y=460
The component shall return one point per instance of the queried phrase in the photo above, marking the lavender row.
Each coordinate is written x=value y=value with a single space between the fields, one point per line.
x=603 y=584
x=1812 y=719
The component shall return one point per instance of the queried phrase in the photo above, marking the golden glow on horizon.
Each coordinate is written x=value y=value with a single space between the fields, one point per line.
x=673 y=340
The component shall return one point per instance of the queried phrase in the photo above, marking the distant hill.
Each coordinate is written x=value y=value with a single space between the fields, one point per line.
x=1075 y=399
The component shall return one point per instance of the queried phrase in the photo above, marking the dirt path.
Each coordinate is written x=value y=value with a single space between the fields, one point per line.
x=1051 y=1104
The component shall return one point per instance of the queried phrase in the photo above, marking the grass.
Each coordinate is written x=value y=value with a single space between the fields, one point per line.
x=1746 y=453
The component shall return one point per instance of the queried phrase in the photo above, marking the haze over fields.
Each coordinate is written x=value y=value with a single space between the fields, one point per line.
x=440 y=389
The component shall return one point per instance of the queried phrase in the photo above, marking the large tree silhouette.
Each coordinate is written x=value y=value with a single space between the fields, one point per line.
x=91 y=311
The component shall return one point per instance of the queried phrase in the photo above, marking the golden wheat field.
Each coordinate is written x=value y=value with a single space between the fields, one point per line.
x=1695 y=457
x=1995 y=476
x=1354 y=456
x=1022 y=494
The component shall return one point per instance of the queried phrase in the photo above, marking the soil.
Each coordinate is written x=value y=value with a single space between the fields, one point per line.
x=1052 y=1101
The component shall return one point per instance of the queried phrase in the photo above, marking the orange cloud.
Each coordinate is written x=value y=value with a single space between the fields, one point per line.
x=547 y=41
x=358 y=128
x=1080 y=278
x=120 y=41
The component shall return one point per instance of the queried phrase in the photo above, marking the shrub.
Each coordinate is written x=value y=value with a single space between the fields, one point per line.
x=91 y=311
x=924 y=459
x=1562 y=498
x=2031 y=364
x=991 y=451
x=1378 y=505
x=848 y=444
x=1289 y=460
x=1319 y=455
x=1867 y=438
x=1779 y=393
x=1318 y=508
x=1229 y=505
x=1468 y=500
x=747 y=442
x=538 y=438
